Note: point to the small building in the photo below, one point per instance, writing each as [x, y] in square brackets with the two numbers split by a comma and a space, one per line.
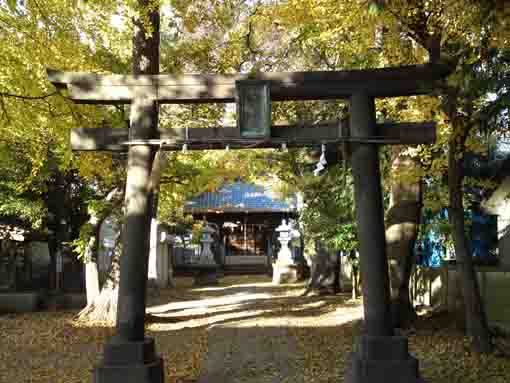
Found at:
[15, 268]
[246, 216]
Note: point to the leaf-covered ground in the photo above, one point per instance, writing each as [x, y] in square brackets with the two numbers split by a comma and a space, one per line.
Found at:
[51, 347]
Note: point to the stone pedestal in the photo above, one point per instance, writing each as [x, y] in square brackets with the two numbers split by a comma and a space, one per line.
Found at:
[206, 269]
[284, 269]
[130, 362]
[284, 273]
[382, 359]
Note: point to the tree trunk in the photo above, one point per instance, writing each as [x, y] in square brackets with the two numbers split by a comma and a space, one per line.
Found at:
[154, 240]
[104, 306]
[476, 319]
[91, 281]
[322, 272]
[355, 279]
[96, 300]
[90, 259]
[402, 223]
[57, 223]
[337, 285]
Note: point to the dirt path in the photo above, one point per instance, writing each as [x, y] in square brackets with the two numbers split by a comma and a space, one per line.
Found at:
[251, 329]
[250, 354]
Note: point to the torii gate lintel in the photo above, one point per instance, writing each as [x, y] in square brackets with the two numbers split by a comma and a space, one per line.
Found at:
[285, 86]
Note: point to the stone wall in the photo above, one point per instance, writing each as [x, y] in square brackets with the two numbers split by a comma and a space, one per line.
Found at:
[440, 287]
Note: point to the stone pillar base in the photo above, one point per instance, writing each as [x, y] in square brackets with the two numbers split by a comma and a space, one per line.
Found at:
[382, 359]
[130, 362]
[284, 273]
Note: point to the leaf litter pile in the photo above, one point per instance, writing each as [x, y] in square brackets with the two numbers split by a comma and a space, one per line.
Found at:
[53, 347]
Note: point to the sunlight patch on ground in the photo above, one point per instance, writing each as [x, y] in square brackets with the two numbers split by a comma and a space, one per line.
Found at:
[249, 305]
[207, 303]
[223, 288]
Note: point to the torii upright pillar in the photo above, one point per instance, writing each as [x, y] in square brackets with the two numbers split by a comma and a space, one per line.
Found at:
[130, 357]
[380, 356]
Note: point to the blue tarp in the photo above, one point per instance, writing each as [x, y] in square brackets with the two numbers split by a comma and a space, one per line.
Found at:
[430, 250]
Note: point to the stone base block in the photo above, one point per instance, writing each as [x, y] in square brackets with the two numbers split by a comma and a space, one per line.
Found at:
[284, 273]
[381, 360]
[137, 373]
[130, 362]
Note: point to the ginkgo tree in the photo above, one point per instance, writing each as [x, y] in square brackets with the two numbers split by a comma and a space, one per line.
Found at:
[34, 118]
[232, 36]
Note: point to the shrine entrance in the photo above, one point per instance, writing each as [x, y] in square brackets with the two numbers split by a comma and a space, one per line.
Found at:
[130, 356]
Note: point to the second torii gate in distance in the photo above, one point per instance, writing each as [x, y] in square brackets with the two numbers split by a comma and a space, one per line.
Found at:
[380, 352]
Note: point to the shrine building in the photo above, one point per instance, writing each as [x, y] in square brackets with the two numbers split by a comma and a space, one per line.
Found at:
[246, 216]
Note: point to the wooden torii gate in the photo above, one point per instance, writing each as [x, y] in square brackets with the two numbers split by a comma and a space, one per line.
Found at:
[130, 357]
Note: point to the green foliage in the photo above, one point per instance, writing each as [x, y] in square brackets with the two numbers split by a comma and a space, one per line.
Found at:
[98, 209]
[30, 211]
[35, 119]
[346, 238]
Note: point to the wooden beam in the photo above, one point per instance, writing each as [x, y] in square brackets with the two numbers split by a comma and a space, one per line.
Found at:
[117, 139]
[108, 139]
[190, 88]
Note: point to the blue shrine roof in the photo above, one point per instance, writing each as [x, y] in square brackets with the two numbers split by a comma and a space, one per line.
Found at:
[240, 197]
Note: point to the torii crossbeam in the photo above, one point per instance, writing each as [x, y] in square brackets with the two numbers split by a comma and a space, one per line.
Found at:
[295, 86]
[117, 139]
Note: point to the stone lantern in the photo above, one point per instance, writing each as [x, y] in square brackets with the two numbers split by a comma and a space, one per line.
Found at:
[205, 265]
[284, 269]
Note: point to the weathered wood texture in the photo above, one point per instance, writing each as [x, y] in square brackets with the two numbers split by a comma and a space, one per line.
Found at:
[190, 88]
[108, 139]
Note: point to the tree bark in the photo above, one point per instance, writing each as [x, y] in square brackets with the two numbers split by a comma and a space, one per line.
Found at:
[337, 283]
[55, 203]
[90, 259]
[402, 223]
[104, 307]
[154, 240]
[355, 284]
[91, 280]
[98, 300]
[322, 272]
[476, 319]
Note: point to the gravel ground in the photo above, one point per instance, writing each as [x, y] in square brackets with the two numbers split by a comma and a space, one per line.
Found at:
[252, 328]
[244, 330]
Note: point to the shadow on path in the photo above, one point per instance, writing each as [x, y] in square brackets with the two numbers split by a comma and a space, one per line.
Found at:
[251, 329]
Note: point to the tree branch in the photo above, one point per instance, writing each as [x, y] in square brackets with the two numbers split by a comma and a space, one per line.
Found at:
[22, 97]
